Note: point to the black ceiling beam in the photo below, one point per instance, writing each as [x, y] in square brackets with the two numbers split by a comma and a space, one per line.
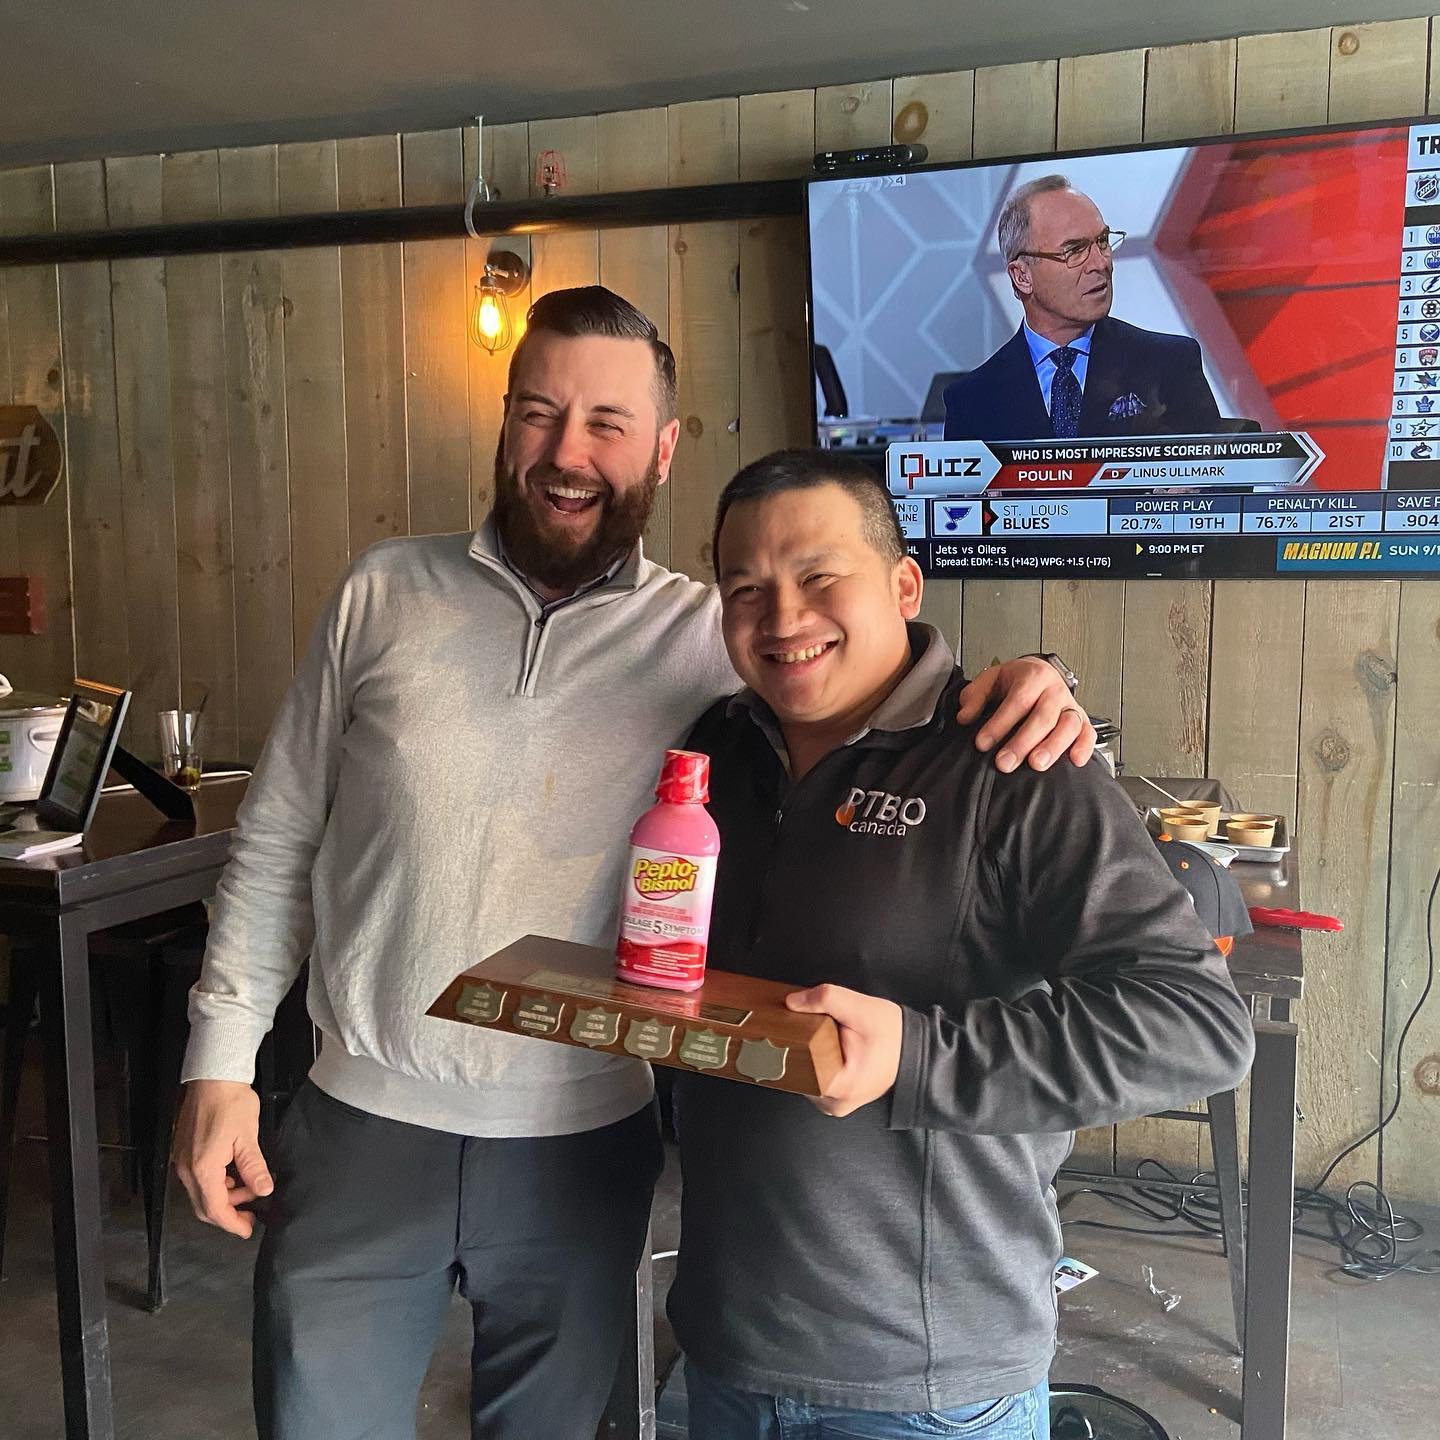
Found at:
[687, 204]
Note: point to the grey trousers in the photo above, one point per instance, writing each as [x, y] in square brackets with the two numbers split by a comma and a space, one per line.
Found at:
[374, 1223]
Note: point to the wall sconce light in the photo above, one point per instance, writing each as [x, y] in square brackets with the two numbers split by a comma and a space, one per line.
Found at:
[492, 327]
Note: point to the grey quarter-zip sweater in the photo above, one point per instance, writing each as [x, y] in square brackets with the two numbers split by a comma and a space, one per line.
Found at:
[453, 767]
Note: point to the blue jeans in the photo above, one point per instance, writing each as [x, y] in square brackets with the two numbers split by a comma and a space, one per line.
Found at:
[721, 1412]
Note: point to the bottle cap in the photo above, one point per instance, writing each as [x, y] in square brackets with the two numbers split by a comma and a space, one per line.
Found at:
[684, 778]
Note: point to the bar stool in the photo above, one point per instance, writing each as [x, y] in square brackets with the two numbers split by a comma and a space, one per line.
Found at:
[144, 972]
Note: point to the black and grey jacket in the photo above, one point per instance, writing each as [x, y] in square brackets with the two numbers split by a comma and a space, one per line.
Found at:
[1053, 975]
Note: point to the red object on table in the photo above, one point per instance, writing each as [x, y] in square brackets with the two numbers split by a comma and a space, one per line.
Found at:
[1294, 919]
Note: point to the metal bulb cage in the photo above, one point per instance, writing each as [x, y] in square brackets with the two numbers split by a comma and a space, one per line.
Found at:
[492, 326]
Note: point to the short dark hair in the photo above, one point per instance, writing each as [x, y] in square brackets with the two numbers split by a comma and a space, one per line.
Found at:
[594, 310]
[784, 470]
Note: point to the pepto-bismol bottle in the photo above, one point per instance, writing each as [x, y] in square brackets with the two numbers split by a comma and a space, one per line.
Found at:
[670, 880]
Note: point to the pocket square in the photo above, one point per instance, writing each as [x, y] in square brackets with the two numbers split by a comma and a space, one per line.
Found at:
[1123, 407]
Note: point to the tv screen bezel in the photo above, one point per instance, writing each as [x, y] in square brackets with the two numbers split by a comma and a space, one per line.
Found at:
[1237, 572]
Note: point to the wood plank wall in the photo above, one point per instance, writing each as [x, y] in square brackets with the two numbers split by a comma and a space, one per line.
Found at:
[238, 426]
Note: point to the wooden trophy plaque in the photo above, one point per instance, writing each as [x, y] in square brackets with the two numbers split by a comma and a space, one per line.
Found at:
[734, 1026]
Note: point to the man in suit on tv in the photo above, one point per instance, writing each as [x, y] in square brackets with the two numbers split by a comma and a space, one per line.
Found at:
[1072, 369]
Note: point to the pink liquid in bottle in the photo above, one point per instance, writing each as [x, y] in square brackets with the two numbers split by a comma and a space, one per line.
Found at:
[670, 881]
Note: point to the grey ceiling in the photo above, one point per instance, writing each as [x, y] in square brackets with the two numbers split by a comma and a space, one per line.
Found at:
[105, 77]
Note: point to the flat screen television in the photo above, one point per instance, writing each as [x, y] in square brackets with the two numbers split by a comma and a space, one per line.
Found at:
[1246, 382]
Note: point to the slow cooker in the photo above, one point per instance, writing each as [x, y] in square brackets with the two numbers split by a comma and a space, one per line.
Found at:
[29, 728]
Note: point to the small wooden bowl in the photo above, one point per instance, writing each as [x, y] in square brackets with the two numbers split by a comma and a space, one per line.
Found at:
[1252, 829]
[1210, 812]
[1184, 827]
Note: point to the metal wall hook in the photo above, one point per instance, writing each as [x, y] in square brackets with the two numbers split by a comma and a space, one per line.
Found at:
[480, 191]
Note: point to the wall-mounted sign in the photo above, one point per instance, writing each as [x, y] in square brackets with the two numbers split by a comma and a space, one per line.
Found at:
[31, 457]
[22, 605]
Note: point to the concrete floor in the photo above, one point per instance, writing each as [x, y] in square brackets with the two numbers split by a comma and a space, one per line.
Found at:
[1363, 1355]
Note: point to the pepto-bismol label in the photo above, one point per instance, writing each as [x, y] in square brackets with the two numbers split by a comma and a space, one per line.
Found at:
[665, 912]
[659, 877]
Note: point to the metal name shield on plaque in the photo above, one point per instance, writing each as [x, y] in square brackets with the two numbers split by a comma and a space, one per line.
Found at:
[539, 1015]
[705, 1050]
[650, 1039]
[762, 1060]
[483, 1004]
[595, 1025]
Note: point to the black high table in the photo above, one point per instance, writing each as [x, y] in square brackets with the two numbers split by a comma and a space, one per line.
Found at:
[133, 864]
[1269, 971]
[1257, 1219]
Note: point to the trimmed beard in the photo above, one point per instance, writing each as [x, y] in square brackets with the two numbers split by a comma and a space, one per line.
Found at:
[537, 555]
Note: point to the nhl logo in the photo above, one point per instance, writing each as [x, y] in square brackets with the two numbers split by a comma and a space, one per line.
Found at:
[1427, 187]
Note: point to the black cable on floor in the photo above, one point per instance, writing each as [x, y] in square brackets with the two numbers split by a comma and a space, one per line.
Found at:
[1361, 1224]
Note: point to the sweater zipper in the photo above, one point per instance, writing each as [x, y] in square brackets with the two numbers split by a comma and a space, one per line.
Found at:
[532, 655]
[777, 826]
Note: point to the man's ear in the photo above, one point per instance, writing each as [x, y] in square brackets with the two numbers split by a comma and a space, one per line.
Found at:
[1021, 280]
[909, 586]
[665, 449]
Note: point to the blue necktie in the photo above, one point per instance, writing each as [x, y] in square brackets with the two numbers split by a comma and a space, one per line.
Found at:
[1065, 394]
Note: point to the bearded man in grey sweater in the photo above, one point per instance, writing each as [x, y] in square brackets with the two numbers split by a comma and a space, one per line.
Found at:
[474, 726]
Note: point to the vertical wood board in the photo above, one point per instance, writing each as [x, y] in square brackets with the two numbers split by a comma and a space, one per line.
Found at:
[92, 439]
[43, 662]
[259, 459]
[372, 324]
[142, 366]
[437, 402]
[200, 457]
[937, 111]
[313, 310]
[704, 148]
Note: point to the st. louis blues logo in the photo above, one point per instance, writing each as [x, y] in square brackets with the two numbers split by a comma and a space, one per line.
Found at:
[955, 514]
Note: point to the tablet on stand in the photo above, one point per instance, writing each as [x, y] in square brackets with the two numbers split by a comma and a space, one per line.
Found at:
[87, 747]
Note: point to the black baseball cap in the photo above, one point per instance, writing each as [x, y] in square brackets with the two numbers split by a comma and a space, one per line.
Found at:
[1212, 887]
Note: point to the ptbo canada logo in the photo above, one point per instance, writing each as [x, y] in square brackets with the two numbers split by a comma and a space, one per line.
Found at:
[877, 812]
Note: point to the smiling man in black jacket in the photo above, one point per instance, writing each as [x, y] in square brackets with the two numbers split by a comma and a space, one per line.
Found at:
[1008, 960]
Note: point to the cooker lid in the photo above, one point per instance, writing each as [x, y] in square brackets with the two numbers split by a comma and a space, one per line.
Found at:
[17, 703]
